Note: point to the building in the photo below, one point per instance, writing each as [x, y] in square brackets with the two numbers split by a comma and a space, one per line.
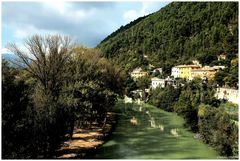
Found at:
[157, 82]
[204, 72]
[217, 67]
[221, 57]
[170, 81]
[228, 94]
[175, 72]
[137, 73]
[184, 71]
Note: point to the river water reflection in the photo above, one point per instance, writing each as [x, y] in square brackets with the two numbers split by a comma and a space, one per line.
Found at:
[145, 132]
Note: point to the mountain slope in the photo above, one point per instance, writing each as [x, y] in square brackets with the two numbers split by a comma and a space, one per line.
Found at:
[176, 34]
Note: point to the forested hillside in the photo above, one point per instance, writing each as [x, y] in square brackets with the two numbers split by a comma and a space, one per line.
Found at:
[177, 34]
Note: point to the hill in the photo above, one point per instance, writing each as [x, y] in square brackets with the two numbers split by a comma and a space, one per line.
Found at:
[177, 34]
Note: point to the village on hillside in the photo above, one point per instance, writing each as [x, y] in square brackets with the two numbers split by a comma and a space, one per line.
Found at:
[188, 73]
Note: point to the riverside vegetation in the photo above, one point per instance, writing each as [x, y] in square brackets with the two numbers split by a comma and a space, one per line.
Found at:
[62, 87]
[208, 117]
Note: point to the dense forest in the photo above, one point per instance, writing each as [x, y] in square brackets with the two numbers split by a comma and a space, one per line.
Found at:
[177, 34]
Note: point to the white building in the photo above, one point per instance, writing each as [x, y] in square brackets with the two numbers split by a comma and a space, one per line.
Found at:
[157, 82]
[137, 73]
[175, 72]
[169, 81]
[217, 67]
[229, 94]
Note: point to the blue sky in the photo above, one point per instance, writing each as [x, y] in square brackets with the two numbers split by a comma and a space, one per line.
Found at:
[86, 22]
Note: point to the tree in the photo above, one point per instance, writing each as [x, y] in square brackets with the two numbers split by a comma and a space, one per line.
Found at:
[143, 83]
[91, 87]
[165, 98]
[130, 85]
[14, 105]
[45, 59]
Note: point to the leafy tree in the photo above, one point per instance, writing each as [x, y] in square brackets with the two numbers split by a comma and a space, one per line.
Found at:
[130, 85]
[91, 88]
[14, 105]
[143, 83]
[165, 98]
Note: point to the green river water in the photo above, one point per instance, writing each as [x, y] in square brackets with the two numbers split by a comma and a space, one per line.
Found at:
[157, 135]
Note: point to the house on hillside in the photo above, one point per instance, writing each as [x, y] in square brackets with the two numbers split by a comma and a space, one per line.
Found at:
[221, 57]
[170, 81]
[184, 71]
[157, 82]
[175, 72]
[217, 67]
[137, 73]
[204, 72]
[228, 94]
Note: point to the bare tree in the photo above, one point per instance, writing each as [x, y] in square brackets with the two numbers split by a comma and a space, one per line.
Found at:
[45, 58]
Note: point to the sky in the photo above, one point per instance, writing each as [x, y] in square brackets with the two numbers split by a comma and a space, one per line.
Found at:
[86, 22]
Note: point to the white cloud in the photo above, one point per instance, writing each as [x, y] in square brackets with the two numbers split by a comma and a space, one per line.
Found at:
[5, 51]
[131, 15]
[59, 6]
[25, 31]
[146, 8]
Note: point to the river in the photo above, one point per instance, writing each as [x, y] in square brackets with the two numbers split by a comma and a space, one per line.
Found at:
[146, 132]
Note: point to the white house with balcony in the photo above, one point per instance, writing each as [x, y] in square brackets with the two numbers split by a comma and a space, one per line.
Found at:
[157, 82]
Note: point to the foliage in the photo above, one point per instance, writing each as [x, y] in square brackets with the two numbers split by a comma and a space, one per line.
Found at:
[14, 105]
[216, 122]
[130, 85]
[60, 87]
[228, 76]
[219, 130]
[176, 34]
[143, 82]
[164, 98]
[91, 86]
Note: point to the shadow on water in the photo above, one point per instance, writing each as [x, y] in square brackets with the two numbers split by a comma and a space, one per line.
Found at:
[163, 138]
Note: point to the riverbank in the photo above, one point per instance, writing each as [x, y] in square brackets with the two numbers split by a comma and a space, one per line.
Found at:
[85, 142]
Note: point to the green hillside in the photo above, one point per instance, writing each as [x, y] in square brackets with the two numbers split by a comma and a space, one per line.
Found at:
[176, 34]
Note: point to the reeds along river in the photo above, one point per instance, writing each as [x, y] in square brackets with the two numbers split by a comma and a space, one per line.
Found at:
[146, 132]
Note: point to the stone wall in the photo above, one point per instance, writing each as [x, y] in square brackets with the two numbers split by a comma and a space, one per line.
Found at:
[227, 93]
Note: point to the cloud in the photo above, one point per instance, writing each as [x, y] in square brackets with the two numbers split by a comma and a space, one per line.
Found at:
[22, 33]
[146, 8]
[5, 51]
[131, 15]
[87, 22]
